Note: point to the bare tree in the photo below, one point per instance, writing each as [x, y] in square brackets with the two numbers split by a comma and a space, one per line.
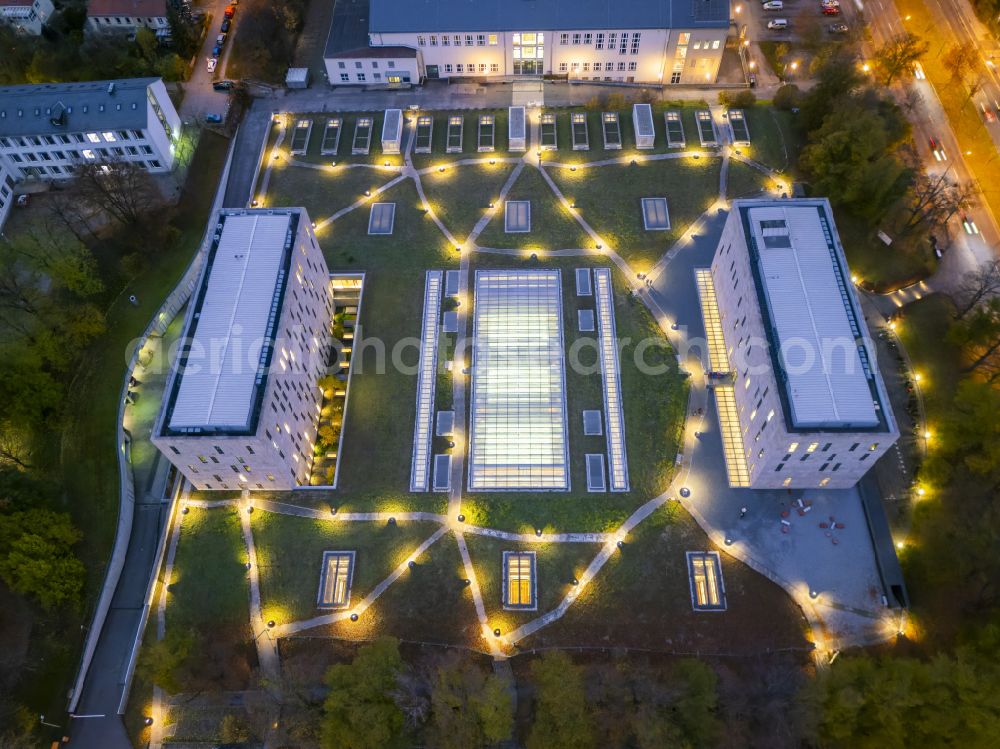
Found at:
[122, 189]
[959, 60]
[934, 201]
[976, 287]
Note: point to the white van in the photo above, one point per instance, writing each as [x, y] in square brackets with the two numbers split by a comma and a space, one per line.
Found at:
[773, 5]
[778, 24]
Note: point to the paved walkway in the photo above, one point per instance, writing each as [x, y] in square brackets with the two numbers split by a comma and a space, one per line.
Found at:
[833, 584]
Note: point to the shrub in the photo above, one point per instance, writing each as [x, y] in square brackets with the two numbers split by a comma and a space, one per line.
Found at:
[787, 97]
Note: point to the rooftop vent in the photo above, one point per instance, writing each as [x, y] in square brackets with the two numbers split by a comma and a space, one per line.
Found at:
[111, 88]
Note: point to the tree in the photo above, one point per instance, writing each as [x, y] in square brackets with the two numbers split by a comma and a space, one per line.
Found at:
[695, 710]
[891, 702]
[934, 200]
[959, 60]
[562, 719]
[359, 712]
[837, 79]
[36, 559]
[122, 189]
[975, 287]
[978, 333]
[234, 730]
[167, 661]
[897, 56]
[848, 160]
[468, 708]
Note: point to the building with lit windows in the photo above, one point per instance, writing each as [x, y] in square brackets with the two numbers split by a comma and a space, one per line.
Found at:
[6, 191]
[801, 402]
[242, 406]
[641, 41]
[48, 130]
[26, 16]
[128, 16]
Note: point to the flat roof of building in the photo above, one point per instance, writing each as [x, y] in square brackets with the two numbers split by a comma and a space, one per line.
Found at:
[412, 16]
[49, 108]
[233, 322]
[827, 374]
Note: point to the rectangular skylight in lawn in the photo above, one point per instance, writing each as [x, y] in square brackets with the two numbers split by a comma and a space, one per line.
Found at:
[518, 422]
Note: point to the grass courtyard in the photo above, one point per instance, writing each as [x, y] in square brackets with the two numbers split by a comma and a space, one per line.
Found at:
[431, 602]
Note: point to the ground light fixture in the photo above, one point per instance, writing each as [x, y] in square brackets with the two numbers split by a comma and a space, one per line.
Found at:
[814, 594]
[354, 617]
[368, 193]
[461, 518]
[538, 532]
[270, 623]
[148, 721]
[496, 632]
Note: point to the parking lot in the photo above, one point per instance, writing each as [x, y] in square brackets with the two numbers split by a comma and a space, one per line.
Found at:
[803, 20]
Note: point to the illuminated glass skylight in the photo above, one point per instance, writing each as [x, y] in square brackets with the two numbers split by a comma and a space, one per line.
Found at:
[518, 421]
[423, 428]
[608, 343]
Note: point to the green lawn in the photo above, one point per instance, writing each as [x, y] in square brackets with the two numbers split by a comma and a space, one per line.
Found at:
[882, 268]
[460, 196]
[429, 604]
[744, 181]
[609, 199]
[209, 586]
[923, 328]
[653, 406]
[552, 227]
[642, 599]
[290, 554]
[324, 191]
[775, 140]
[556, 565]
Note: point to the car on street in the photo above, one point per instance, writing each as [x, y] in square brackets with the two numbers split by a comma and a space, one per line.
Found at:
[225, 26]
[829, 3]
[773, 5]
[230, 11]
[220, 40]
[967, 223]
[223, 85]
[778, 24]
[216, 51]
[837, 28]
[831, 10]
[212, 62]
[918, 72]
[213, 118]
[937, 150]
[987, 112]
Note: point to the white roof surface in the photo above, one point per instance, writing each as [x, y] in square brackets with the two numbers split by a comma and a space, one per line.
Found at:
[218, 387]
[827, 384]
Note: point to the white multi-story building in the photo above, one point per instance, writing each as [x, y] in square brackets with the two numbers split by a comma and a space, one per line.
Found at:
[49, 129]
[26, 16]
[6, 191]
[127, 15]
[642, 41]
[242, 405]
[806, 405]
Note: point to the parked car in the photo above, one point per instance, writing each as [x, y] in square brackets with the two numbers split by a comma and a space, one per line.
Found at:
[212, 62]
[937, 150]
[837, 28]
[230, 11]
[223, 85]
[216, 51]
[220, 40]
[831, 10]
[225, 26]
[214, 118]
[778, 24]
[773, 5]
[830, 3]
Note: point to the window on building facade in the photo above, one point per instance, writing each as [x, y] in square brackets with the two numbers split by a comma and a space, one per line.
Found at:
[480, 40]
[341, 64]
[684, 38]
[600, 40]
[635, 43]
[563, 67]
[375, 64]
[448, 68]
[468, 40]
[588, 38]
[609, 66]
[586, 67]
[357, 65]
[445, 40]
[492, 40]
[612, 38]
[458, 40]
[494, 67]
[564, 39]
[632, 65]
[420, 40]
[391, 64]
[459, 68]
[574, 66]
[621, 67]
[623, 47]
[434, 40]
[576, 38]
[376, 76]
[361, 76]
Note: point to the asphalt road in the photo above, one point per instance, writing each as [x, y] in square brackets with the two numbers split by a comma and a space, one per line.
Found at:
[930, 121]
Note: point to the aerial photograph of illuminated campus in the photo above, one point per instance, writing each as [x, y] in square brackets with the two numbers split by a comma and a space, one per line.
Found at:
[499, 374]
